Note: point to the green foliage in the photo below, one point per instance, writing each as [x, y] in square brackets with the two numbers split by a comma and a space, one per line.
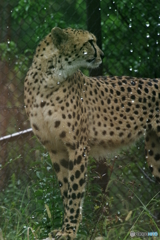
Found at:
[8, 50]
[46, 192]
[131, 38]
[22, 207]
[10, 53]
[40, 18]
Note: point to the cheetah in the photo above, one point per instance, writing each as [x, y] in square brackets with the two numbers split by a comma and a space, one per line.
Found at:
[75, 116]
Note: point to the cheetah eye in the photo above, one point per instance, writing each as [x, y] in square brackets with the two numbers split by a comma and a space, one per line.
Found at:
[90, 41]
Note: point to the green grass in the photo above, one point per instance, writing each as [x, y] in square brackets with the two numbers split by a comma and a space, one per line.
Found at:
[31, 210]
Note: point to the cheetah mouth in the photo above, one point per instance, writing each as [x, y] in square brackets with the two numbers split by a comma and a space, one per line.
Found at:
[94, 63]
[90, 60]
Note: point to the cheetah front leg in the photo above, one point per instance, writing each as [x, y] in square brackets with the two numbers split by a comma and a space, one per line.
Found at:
[77, 165]
[60, 162]
[152, 152]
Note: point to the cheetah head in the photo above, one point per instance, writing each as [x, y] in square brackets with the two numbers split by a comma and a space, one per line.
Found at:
[64, 51]
[77, 47]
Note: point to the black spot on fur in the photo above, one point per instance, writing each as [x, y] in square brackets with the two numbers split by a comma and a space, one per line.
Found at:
[75, 186]
[57, 123]
[43, 104]
[35, 126]
[64, 163]
[56, 167]
[63, 134]
[157, 157]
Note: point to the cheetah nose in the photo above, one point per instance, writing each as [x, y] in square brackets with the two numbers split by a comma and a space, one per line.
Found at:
[102, 55]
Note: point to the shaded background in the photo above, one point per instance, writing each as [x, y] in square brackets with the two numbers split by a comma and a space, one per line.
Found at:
[129, 35]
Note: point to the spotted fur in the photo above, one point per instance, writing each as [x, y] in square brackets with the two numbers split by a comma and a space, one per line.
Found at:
[74, 116]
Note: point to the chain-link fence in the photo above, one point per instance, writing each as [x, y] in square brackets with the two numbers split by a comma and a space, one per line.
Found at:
[128, 32]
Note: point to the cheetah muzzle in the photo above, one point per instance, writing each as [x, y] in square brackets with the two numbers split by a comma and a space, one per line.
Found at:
[74, 116]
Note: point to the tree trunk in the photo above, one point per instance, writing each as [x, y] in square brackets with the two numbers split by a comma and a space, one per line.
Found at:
[94, 26]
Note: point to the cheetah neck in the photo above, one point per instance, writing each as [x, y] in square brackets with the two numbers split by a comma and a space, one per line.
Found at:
[54, 71]
[58, 74]
[52, 64]
[61, 70]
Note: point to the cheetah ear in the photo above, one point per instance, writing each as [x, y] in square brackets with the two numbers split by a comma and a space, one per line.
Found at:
[58, 36]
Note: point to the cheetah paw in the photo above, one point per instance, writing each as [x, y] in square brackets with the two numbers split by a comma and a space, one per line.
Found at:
[59, 235]
[49, 238]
